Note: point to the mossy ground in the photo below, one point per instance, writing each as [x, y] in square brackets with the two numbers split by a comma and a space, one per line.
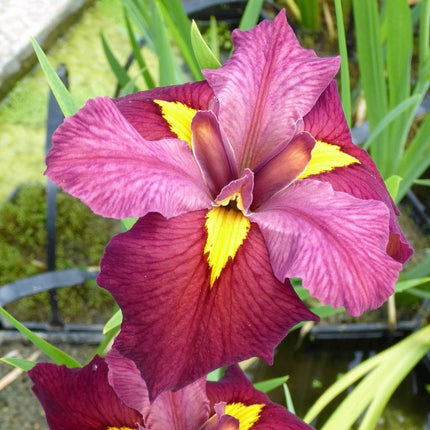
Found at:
[81, 238]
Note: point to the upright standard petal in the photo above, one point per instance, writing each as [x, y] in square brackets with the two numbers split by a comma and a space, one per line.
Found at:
[327, 123]
[81, 398]
[251, 407]
[335, 242]
[160, 277]
[268, 84]
[99, 157]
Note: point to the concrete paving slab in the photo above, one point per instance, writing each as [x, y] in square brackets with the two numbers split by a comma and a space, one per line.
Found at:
[45, 20]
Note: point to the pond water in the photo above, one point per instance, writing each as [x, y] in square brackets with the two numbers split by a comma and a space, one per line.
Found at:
[313, 367]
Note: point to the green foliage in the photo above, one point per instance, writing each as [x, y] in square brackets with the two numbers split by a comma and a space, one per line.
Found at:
[381, 375]
[55, 354]
[81, 238]
[385, 47]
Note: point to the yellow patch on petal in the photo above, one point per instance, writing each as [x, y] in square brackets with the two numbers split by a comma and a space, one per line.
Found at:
[227, 228]
[326, 157]
[119, 428]
[178, 116]
[247, 415]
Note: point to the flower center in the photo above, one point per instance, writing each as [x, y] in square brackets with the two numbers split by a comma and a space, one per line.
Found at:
[247, 415]
[227, 228]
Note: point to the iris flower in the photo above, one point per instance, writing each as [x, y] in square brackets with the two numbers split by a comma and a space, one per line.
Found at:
[240, 182]
[115, 397]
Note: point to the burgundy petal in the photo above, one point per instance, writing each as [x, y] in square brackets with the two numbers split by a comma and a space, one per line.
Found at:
[335, 242]
[177, 328]
[99, 157]
[81, 398]
[126, 380]
[187, 408]
[268, 84]
[327, 123]
[145, 116]
[234, 387]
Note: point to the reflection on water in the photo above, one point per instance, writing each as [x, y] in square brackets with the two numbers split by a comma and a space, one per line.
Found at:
[316, 365]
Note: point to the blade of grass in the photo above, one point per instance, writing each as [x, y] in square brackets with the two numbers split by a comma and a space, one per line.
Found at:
[424, 182]
[398, 56]
[61, 93]
[182, 40]
[310, 14]
[56, 355]
[205, 57]
[410, 283]
[416, 158]
[394, 375]
[371, 65]
[288, 399]
[271, 384]
[119, 72]
[410, 104]
[344, 64]
[250, 14]
[19, 363]
[167, 67]
[150, 83]
[380, 367]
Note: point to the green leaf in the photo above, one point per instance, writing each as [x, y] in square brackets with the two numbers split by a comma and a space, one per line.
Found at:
[416, 158]
[288, 399]
[392, 184]
[344, 63]
[384, 372]
[127, 223]
[205, 57]
[167, 68]
[120, 73]
[61, 93]
[182, 39]
[250, 14]
[372, 78]
[150, 83]
[56, 355]
[410, 103]
[19, 363]
[114, 321]
[310, 14]
[410, 283]
[424, 182]
[271, 384]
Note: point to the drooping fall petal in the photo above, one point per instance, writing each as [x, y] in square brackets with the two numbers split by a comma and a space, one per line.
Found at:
[187, 408]
[268, 84]
[335, 242]
[160, 277]
[81, 398]
[327, 123]
[242, 400]
[99, 157]
[146, 117]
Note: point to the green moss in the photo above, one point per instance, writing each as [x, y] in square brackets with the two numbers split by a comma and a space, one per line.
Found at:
[81, 238]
